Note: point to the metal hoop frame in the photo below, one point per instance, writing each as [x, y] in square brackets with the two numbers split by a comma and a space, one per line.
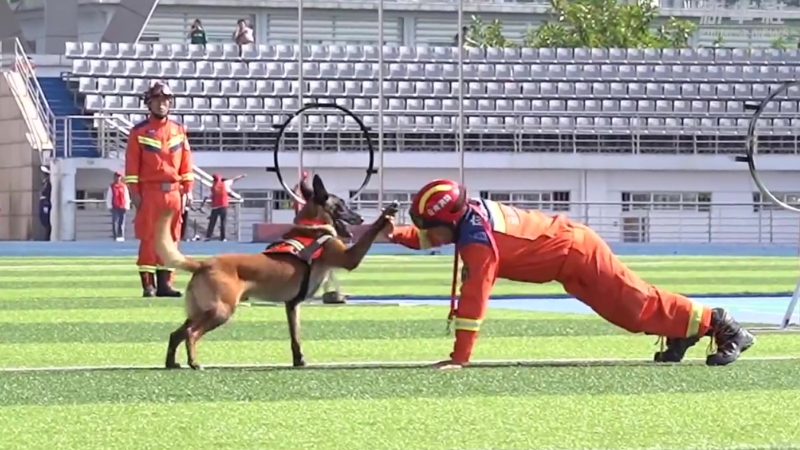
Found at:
[282, 129]
[752, 146]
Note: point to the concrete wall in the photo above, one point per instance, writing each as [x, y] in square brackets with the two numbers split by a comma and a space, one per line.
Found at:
[20, 176]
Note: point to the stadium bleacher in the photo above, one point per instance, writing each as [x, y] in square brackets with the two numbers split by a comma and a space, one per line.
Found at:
[696, 96]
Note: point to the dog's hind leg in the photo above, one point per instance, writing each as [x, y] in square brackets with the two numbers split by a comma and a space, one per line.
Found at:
[292, 317]
[210, 320]
[175, 339]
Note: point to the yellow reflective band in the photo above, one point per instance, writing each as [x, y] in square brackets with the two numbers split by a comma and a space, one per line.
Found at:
[148, 269]
[427, 195]
[467, 324]
[168, 269]
[131, 178]
[144, 140]
[695, 317]
[187, 177]
[498, 218]
[424, 240]
[176, 140]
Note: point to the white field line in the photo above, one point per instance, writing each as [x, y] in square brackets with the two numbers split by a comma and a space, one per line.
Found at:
[542, 363]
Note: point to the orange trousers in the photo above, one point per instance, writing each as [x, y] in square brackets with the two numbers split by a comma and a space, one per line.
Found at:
[154, 202]
[596, 277]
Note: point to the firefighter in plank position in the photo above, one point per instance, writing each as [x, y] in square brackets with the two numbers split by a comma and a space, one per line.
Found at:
[158, 172]
[499, 241]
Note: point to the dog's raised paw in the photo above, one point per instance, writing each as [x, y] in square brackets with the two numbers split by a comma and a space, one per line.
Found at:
[195, 366]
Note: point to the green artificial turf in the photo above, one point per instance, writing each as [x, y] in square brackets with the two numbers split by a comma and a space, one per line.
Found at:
[86, 312]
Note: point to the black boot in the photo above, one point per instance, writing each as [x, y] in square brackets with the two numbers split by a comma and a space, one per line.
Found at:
[730, 337]
[148, 284]
[164, 284]
[334, 298]
[676, 349]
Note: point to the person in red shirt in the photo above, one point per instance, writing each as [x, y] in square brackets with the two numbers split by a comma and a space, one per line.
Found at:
[158, 171]
[219, 204]
[498, 241]
[118, 201]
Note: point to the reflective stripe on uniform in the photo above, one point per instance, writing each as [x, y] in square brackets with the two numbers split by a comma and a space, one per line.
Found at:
[148, 269]
[465, 324]
[187, 177]
[695, 317]
[497, 216]
[424, 241]
[176, 142]
[153, 143]
[168, 269]
[131, 178]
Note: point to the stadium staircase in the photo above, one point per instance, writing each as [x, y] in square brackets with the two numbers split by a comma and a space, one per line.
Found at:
[74, 132]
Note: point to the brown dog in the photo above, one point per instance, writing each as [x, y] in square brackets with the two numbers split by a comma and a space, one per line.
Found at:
[289, 271]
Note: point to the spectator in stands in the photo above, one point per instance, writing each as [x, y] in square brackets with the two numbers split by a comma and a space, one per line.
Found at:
[118, 201]
[197, 34]
[219, 204]
[243, 34]
[45, 204]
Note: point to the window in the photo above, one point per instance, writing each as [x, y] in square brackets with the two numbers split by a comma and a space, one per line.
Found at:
[282, 200]
[544, 201]
[254, 198]
[666, 201]
[761, 203]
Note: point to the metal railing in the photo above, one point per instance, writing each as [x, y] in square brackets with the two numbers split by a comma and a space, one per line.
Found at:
[93, 221]
[19, 62]
[634, 222]
[618, 222]
[108, 136]
[619, 140]
[89, 135]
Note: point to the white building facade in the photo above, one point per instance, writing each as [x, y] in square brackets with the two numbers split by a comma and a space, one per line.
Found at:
[626, 197]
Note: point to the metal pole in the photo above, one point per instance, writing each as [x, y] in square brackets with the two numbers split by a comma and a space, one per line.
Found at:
[461, 89]
[300, 88]
[380, 102]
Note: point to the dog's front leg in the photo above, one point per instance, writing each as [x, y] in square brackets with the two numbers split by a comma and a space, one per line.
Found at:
[350, 258]
[293, 318]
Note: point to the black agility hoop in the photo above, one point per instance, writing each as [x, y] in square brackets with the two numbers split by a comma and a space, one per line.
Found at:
[282, 129]
[751, 145]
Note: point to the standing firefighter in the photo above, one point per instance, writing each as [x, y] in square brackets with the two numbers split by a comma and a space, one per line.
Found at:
[498, 241]
[158, 171]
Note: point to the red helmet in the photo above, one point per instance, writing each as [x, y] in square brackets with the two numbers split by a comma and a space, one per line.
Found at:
[439, 203]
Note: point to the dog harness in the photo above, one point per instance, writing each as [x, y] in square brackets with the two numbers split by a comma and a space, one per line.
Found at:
[307, 249]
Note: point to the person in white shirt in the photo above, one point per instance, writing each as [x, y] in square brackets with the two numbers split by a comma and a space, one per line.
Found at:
[243, 34]
[118, 201]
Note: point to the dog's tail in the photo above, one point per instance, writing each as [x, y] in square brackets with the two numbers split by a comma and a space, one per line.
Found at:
[167, 249]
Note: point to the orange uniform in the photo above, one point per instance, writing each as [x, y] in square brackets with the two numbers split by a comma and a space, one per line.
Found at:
[158, 167]
[498, 241]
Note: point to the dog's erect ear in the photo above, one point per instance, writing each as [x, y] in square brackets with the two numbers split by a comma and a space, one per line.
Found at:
[320, 193]
[306, 191]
